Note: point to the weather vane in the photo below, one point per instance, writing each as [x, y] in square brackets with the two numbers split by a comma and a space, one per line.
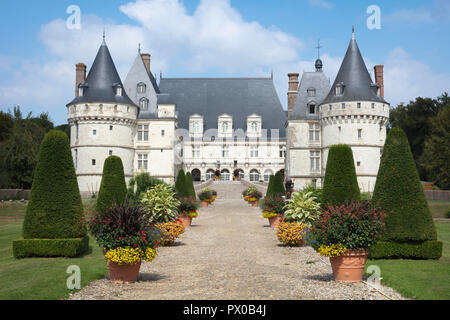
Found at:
[318, 48]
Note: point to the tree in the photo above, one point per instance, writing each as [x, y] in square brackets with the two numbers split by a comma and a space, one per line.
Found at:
[436, 154]
[269, 191]
[340, 183]
[399, 193]
[6, 125]
[113, 188]
[278, 185]
[55, 209]
[189, 186]
[179, 184]
[65, 128]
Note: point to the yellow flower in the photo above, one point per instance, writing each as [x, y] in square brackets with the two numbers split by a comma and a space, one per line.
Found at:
[332, 250]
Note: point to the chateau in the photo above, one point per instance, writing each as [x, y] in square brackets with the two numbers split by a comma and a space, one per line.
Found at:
[227, 124]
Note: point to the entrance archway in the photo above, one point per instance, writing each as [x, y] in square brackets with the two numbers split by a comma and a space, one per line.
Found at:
[210, 174]
[196, 175]
[225, 175]
[254, 175]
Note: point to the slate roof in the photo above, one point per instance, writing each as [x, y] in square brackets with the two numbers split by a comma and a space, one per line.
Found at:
[100, 82]
[321, 84]
[213, 97]
[358, 85]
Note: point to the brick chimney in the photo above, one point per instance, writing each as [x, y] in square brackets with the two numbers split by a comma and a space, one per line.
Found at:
[146, 58]
[80, 76]
[379, 78]
[292, 91]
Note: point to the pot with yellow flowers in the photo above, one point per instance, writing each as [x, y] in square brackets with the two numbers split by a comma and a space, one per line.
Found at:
[301, 210]
[161, 205]
[205, 196]
[273, 210]
[187, 211]
[126, 239]
[345, 234]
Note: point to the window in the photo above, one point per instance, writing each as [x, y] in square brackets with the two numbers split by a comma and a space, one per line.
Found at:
[196, 127]
[225, 175]
[254, 126]
[163, 132]
[143, 133]
[128, 109]
[331, 107]
[358, 105]
[86, 107]
[254, 151]
[358, 163]
[119, 91]
[143, 104]
[343, 106]
[373, 105]
[141, 88]
[100, 107]
[359, 133]
[76, 159]
[110, 128]
[110, 152]
[314, 132]
[339, 129]
[80, 92]
[116, 108]
[315, 161]
[77, 130]
[210, 174]
[314, 183]
[142, 161]
[94, 132]
[225, 127]
[225, 151]
[311, 92]
[339, 89]
[195, 151]
[254, 175]
[282, 152]
[93, 162]
[312, 109]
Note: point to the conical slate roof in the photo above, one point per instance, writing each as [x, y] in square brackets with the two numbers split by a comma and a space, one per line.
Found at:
[101, 81]
[353, 75]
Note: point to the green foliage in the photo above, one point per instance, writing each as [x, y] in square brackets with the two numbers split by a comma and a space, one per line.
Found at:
[65, 128]
[189, 190]
[250, 190]
[187, 205]
[406, 250]
[316, 192]
[270, 190]
[55, 209]
[436, 152]
[113, 188]
[447, 214]
[139, 184]
[6, 125]
[340, 183]
[302, 207]
[205, 195]
[278, 185]
[160, 204]
[50, 247]
[274, 205]
[180, 184]
[399, 192]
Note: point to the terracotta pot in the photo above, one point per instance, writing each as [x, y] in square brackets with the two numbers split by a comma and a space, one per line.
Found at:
[204, 204]
[350, 266]
[275, 221]
[185, 220]
[254, 203]
[125, 273]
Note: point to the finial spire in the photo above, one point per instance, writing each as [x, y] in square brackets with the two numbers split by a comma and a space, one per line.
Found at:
[104, 36]
[353, 32]
[139, 49]
[318, 49]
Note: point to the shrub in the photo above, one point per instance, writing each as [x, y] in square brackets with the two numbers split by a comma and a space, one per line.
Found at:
[431, 249]
[170, 231]
[399, 192]
[278, 185]
[447, 214]
[189, 186]
[139, 184]
[303, 208]
[160, 204]
[113, 188]
[292, 234]
[50, 247]
[180, 183]
[340, 183]
[273, 206]
[354, 226]
[54, 210]
[316, 192]
[205, 195]
[188, 207]
[270, 190]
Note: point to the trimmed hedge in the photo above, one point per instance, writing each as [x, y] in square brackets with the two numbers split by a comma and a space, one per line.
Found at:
[189, 186]
[113, 188]
[269, 191]
[180, 183]
[50, 247]
[55, 209]
[340, 183]
[278, 185]
[412, 250]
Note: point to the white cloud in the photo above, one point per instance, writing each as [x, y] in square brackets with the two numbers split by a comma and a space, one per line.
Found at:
[321, 3]
[412, 16]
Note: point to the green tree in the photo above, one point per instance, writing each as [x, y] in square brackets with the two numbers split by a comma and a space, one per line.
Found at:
[55, 209]
[278, 185]
[189, 186]
[399, 193]
[340, 183]
[179, 184]
[436, 154]
[113, 188]
[269, 192]
[65, 128]
[6, 125]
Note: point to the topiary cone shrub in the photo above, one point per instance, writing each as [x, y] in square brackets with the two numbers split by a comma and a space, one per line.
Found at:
[189, 186]
[53, 220]
[410, 231]
[113, 188]
[278, 185]
[269, 192]
[340, 183]
[180, 183]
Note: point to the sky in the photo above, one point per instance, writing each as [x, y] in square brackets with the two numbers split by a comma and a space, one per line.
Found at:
[219, 38]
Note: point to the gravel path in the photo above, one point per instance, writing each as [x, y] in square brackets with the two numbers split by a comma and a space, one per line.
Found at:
[230, 252]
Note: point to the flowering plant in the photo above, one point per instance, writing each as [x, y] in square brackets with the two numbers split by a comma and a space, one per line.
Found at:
[353, 225]
[273, 206]
[205, 195]
[122, 229]
[188, 207]
[170, 231]
[160, 204]
[302, 207]
[292, 233]
[236, 173]
[217, 173]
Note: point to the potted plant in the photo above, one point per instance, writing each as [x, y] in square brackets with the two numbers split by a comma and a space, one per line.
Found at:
[344, 234]
[187, 211]
[217, 174]
[161, 207]
[214, 195]
[254, 196]
[236, 173]
[205, 197]
[273, 209]
[301, 210]
[123, 233]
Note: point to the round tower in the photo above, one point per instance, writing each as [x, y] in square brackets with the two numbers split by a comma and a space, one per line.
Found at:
[102, 119]
[355, 113]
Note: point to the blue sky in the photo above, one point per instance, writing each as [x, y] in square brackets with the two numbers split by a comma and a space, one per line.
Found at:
[219, 38]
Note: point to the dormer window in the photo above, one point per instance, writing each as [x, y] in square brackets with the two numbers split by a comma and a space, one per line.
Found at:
[118, 88]
[254, 126]
[196, 127]
[312, 108]
[141, 88]
[143, 104]
[339, 89]
[311, 92]
[80, 91]
[225, 127]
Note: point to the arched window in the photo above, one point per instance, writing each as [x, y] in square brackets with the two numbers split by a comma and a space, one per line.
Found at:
[196, 175]
[225, 127]
[143, 104]
[254, 175]
[141, 87]
[254, 126]
[210, 174]
[267, 175]
[225, 175]
[196, 127]
[311, 92]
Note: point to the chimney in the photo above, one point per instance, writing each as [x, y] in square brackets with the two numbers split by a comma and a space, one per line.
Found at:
[146, 59]
[379, 78]
[292, 91]
[80, 76]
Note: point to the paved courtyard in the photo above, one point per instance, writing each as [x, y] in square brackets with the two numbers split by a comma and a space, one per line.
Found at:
[230, 252]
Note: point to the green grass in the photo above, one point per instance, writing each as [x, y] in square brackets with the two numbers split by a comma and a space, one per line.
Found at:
[438, 208]
[420, 279]
[40, 278]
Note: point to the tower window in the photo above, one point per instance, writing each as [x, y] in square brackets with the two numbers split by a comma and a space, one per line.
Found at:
[141, 88]
[163, 133]
[359, 133]
[312, 109]
[358, 105]
[110, 152]
[373, 105]
[94, 132]
[94, 162]
[358, 164]
[331, 107]
[143, 103]
[80, 92]
[343, 106]
[116, 107]
[110, 128]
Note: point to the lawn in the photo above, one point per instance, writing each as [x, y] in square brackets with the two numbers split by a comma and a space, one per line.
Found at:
[438, 208]
[420, 279]
[40, 278]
